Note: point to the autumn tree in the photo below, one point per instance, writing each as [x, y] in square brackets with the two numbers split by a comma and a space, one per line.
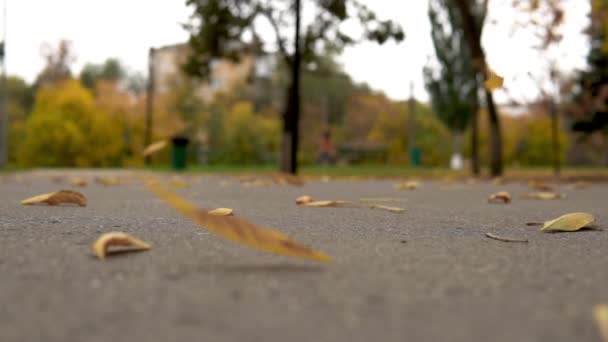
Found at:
[452, 83]
[473, 15]
[229, 29]
[58, 61]
[111, 70]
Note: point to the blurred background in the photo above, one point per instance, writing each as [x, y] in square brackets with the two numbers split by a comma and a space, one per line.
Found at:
[474, 85]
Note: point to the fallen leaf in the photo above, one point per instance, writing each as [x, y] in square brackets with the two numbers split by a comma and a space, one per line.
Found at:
[286, 178]
[179, 184]
[538, 185]
[326, 203]
[569, 222]
[58, 197]
[543, 195]
[504, 239]
[154, 148]
[380, 199]
[304, 199]
[237, 229]
[78, 182]
[325, 179]
[580, 185]
[501, 196]
[387, 208]
[493, 81]
[499, 181]
[600, 313]
[100, 247]
[107, 181]
[410, 185]
[221, 212]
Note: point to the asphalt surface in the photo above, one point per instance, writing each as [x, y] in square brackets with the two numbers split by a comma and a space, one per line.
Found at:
[428, 274]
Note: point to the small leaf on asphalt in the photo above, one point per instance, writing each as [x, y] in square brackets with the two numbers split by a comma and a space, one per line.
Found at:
[154, 148]
[543, 195]
[179, 184]
[304, 199]
[600, 313]
[580, 185]
[384, 207]
[500, 197]
[58, 197]
[539, 185]
[100, 247]
[78, 182]
[221, 212]
[237, 229]
[504, 239]
[107, 181]
[410, 185]
[569, 222]
[286, 178]
[326, 203]
[499, 181]
[493, 81]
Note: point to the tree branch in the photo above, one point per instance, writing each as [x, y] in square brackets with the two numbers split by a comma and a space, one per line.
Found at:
[280, 42]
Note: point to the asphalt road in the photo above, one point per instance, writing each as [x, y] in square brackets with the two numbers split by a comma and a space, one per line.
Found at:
[428, 274]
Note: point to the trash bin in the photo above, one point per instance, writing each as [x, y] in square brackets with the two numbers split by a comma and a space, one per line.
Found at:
[179, 154]
[415, 157]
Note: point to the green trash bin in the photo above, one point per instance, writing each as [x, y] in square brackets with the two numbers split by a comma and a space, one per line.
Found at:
[179, 153]
[415, 157]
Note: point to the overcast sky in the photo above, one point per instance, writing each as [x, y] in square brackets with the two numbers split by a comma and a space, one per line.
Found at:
[127, 28]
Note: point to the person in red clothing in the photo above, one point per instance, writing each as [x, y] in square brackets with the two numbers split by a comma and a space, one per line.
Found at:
[326, 150]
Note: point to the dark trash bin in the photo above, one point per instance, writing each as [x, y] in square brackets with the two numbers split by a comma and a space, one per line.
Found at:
[179, 153]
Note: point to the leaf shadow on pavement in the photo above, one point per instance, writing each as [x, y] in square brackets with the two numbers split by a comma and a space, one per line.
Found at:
[263, 268]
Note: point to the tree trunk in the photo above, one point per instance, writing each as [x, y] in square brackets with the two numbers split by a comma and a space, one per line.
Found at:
[495, 137]
[554, 137]
[475, 143]
[291, 118]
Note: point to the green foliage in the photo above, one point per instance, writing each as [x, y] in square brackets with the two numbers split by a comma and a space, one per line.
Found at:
[452, 84]
[65, 129]
[218, 29]
[111, 70]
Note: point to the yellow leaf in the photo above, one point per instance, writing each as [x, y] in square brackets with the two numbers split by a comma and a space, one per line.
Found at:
[237, 229]
[411, 185]
[303, 199]
[286, 178]
[493, 81]
[78, 182]
[384, 207]
[179, 184]
[501, 196]
[326, 203]
[568, 223]
[221, 212]
[100, 247]
[600, 313]
[107, 181]
[538, 185]
[153, 148]
[58, 197]
[543, 195]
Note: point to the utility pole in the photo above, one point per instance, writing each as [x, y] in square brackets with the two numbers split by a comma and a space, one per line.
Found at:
[289, 148]
[4, 99]
[411, 128]
[149, 103]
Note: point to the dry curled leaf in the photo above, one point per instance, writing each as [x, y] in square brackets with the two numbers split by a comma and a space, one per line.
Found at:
[304, 199]
[237, 229]
[100, 247]
[600, 314]
[500, 197]
[580, 185]
[387, 208]
[78, 182]
[107, 181]
[179, 184]
[504, 239]
[221, 212]
[538, 185]
[493, 81]
[58, 197]
[286, 178]
[568, 223]
[326, 203]
[543, 195]
[154, 148]
[410, 185]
